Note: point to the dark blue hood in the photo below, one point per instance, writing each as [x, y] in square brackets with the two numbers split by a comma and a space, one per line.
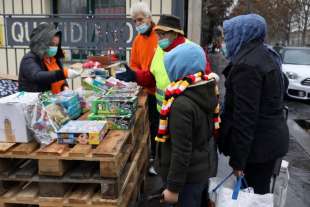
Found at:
[241, 30]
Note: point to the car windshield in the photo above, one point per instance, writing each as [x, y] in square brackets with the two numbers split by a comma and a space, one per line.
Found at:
[296, 56]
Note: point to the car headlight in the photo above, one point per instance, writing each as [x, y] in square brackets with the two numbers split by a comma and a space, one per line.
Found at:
[291, 75]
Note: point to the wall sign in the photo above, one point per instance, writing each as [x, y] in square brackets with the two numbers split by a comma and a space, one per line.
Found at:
[86, 32]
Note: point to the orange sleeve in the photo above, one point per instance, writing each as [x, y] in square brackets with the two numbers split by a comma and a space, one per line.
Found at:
[66, 72]
[134, 63]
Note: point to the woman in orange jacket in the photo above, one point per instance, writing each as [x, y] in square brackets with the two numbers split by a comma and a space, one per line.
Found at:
[41, 69]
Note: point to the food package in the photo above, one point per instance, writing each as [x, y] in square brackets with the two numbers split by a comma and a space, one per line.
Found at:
[86, 97]
[82, 132]
[114, 106]
[115, 122]
[71, 102]
[96, 84]
[15, 117]
[90, 64]
[42, 126]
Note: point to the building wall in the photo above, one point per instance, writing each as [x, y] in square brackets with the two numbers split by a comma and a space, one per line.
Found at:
[10, 57]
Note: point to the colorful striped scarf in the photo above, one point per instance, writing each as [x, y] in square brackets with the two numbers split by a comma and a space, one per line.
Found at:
[172, 92]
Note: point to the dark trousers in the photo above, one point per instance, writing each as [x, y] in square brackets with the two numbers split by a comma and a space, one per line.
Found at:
[258, 176]
[192, 195]
[154, 122]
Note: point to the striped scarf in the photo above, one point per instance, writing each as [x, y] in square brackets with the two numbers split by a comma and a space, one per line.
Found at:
[172, 92]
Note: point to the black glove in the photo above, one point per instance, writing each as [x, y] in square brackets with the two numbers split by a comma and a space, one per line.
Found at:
[128, 76]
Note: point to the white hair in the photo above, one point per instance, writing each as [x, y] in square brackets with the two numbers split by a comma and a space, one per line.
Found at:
[140, 7]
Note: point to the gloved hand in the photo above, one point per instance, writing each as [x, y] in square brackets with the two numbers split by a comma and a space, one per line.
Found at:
[71, 74]
[128, 76]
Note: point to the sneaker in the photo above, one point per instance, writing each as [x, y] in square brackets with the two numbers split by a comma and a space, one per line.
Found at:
[152, 171]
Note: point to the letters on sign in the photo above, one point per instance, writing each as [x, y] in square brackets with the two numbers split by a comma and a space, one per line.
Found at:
[97, 32]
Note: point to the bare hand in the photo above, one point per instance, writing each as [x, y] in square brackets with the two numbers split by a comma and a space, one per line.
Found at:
[66, 88]
[238, 173]
[170, 197]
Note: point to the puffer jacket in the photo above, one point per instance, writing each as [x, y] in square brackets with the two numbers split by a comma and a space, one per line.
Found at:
[33, 74]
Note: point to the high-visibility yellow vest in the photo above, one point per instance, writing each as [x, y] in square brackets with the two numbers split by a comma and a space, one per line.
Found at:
[160, 74]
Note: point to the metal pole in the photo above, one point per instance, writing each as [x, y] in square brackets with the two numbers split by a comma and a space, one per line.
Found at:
[249, 6]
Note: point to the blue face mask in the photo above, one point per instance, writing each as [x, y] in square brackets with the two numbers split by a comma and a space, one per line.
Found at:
[164, 43]
[224, 50]
[143, 28]
[52, 51]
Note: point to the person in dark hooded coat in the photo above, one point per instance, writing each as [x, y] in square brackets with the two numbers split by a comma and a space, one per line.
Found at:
[41, 69]
[188, 150]
[254, 132]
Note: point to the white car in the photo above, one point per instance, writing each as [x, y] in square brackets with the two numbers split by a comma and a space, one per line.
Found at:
[296, 66]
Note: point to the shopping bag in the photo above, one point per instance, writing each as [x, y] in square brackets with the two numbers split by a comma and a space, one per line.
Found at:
[227, 193]
[281, 185]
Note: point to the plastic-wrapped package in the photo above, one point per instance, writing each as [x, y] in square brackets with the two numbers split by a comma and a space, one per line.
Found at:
[15, 116]
[85, 98]
[111, 106]
[115, 122]
[46, 121]
[71, 102]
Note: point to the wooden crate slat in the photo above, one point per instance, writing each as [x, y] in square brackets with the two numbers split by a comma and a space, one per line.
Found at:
[4, 147]
[25, 149]
[111, 144]
[80, 150]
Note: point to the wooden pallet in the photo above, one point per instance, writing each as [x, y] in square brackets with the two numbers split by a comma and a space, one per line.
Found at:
[81, 172]
[55, 159]
[112, 153]
[82, 195]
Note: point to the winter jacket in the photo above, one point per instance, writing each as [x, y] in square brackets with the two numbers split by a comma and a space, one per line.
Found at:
[189, 155]
[253, 128]
[34, 74]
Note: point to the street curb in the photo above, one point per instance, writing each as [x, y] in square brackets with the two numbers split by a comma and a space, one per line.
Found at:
[301, 136]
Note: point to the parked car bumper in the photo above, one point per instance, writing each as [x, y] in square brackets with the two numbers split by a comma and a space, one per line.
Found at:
[298, 91]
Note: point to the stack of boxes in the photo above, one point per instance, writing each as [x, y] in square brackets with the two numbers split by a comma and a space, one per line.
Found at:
[117, 108]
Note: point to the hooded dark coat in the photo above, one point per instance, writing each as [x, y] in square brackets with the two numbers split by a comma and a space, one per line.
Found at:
[190, 155]
[253, 128]
[33, 74]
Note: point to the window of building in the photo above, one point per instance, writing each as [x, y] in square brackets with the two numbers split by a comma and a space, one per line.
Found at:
[72, 6]
[90, 7]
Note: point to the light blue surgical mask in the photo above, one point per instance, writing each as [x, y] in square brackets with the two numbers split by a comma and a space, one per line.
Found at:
[52, 51]
[143, 28]
[224, 50]
[164, 43]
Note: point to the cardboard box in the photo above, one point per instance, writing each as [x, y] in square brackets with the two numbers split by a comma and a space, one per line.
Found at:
[115, 122]
[82, 132]
[111, 106]
[13, 119]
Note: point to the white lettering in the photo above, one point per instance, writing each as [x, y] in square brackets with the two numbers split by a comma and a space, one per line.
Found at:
[79, 32]
[27, 31]
[20, 36]
[130, 32]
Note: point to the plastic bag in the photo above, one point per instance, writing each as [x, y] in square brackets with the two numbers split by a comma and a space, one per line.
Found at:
[280, 192]
[227, 193]
[46, 121]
